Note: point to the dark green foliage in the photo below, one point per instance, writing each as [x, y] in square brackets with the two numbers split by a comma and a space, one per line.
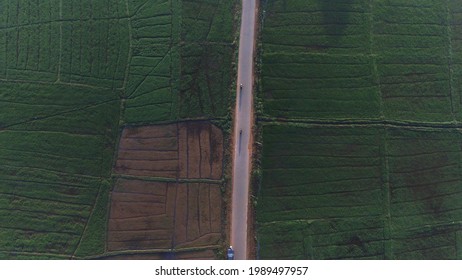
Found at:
[323, 239]
[94, 237]
[371, 62]
[344, 192]
[409, 52]
[148, 93]
[72, 72]
[180, 65]
[206, 53]
[326, 181]
[60, 81]
[317, 62]
[205, 80]
[413, 45]
[319, 86]
[55, 145]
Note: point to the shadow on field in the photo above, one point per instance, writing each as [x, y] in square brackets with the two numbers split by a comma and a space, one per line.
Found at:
[335, 14]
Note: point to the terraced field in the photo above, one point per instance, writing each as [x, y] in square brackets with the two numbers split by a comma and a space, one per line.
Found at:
[360, 127]
[73, 75]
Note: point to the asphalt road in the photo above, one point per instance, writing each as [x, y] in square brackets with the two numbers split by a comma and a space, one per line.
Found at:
[243, 123]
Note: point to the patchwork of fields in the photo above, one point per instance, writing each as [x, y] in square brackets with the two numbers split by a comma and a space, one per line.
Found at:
[149, 211]
[161, 215]
[363, 192]
[393, 60]
[73, 75]
[361, 130]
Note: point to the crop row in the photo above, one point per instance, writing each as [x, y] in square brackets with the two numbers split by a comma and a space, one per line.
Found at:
[205, 80]
[359, 192]
[70, 71]
[56, 144]
[65, 42]
[319, 86]
[394, 60]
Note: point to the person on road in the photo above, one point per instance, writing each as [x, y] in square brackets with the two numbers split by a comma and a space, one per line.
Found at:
[230, 253]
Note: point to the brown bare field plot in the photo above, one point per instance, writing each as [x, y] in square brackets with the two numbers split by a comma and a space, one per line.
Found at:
[149, 215]
[162, 215]
[191, 150]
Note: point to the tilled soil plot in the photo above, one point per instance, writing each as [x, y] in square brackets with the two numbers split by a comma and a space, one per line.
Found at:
[162, 215]
[147, 214]
[189, 150]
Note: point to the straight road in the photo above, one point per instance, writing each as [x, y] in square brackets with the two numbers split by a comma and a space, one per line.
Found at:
[243, 123]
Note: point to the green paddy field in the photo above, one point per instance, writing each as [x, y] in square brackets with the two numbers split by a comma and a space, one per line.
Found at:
[72, 75]
[360, 128]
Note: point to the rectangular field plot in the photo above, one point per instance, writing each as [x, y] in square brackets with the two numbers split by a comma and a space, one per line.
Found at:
[58, 108]
[43, 212]
[433, 243]
[149, 90]
[319, 86]
[317, 62]
[189, 150]
[343, 192]
[207, 20]
[320, 173]
[425, 193]
[160, 215]
[323, 239]
[206, 57]
[321, 194]
[205, 80]
[319, 26]
[394, 60]
[413, 46]
[29, 40]
[94, 52]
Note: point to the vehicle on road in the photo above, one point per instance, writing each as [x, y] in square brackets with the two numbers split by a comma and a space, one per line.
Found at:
[230, 253]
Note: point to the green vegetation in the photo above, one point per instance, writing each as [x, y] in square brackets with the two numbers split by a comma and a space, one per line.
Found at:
[71, 73]
[361, 59]
[56, 144]
[206, 51]
[181, 59]
[364, 192]
[361, 142]
[317, 62]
